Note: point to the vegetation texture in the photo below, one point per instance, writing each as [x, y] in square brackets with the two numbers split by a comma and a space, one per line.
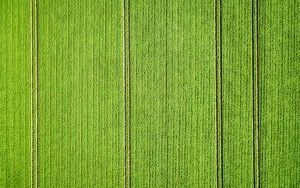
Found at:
[150, 93]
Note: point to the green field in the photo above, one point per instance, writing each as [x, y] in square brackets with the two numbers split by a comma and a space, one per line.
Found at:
[150, 93]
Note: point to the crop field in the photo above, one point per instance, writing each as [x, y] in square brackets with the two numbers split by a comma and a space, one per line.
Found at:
[150, 93]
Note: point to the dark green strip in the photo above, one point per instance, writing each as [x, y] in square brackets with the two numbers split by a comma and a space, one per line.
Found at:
[218, 31]
[126, 61]
[34, 91]
[255, 76]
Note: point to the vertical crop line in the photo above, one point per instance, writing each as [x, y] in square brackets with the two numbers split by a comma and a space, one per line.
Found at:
[255, 85]
[166, 89]
[127, 95]
[219, 119]
[34, 94]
